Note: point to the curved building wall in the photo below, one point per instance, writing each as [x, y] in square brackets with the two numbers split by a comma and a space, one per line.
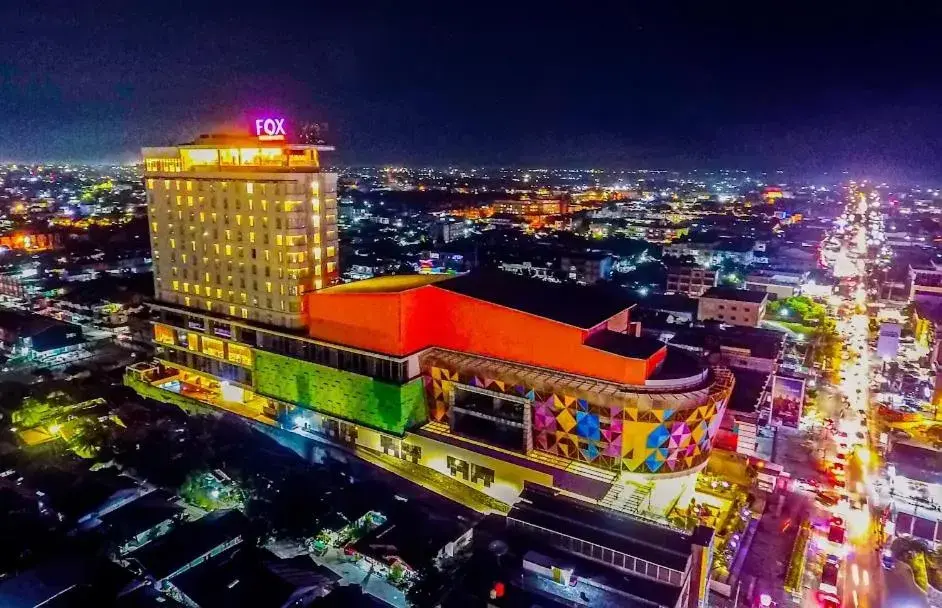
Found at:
[598, 423]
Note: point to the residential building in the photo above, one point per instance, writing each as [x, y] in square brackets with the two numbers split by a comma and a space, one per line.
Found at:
[35, 336]
[925, 283]
[690, 280]
[713, 253]
[732, 306]
[778, 283]
[532, 206]
[188, 546]
[586, 268]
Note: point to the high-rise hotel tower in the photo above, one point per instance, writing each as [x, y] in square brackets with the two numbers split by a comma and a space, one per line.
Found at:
[242, 226]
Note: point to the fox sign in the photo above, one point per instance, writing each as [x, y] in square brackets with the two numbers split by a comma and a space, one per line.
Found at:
[270, 128]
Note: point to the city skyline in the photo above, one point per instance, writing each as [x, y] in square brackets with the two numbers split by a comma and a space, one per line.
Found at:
[806, 92]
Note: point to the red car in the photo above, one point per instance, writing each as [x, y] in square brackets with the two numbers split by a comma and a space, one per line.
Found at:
[837, 533]
[828, 601]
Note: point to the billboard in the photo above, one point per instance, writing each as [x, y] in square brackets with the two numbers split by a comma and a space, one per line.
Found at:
[788, 394]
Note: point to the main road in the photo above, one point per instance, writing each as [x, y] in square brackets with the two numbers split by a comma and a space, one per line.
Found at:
[864, 583]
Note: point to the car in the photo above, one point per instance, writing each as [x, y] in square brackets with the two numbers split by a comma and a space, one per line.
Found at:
[887, 560]
[837, 533]
[809, 485]
[829, 577]
[827, 499]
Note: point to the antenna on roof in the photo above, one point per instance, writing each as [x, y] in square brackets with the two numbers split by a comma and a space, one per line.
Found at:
[313, 133]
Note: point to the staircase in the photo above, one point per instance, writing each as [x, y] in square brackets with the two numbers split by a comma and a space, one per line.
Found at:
[628, 498]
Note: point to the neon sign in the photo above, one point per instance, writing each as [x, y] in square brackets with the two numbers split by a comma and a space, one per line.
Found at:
[269, 129]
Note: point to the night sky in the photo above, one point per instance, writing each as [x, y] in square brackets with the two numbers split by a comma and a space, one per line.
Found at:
[811, 90]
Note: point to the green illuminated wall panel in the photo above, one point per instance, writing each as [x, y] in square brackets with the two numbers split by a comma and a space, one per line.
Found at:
[360, 399]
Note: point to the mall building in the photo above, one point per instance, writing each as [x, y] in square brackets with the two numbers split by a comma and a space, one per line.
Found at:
[472, 384]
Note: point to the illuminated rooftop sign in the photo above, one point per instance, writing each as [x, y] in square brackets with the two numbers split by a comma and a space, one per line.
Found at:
[270, 129]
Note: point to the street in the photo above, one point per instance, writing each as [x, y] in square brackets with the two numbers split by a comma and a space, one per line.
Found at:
[833, 460]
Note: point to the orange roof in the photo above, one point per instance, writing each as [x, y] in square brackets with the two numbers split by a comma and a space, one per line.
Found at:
[400, 316]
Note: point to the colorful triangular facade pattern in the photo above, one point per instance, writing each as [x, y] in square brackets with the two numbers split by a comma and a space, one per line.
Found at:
[621, 436]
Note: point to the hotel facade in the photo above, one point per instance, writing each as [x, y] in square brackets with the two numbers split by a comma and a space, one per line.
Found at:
[472, 385]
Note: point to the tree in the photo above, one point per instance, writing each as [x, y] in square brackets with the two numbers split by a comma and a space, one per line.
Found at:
[90, 437]
[34, 411]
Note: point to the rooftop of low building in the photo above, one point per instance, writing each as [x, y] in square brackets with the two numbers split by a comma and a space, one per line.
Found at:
[738, 295]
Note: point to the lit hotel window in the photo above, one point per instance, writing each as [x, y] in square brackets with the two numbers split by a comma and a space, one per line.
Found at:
[240, 354]
[213, 347]
[249, 188]
[163, 334]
